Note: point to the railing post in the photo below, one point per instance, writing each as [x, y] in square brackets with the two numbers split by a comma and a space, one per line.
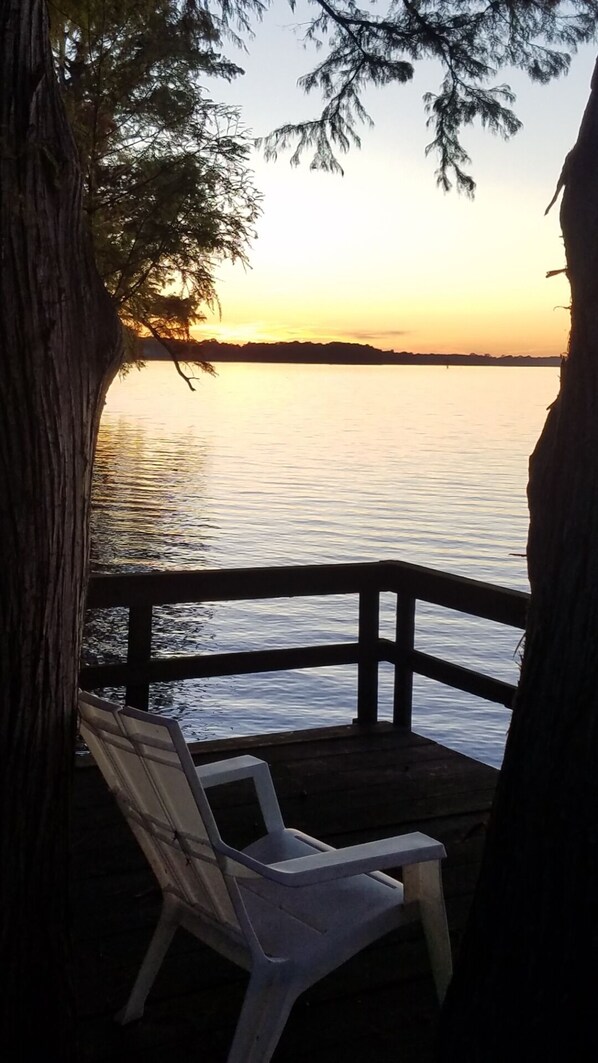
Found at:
[367, 667]
[139, 651]
[404, 642]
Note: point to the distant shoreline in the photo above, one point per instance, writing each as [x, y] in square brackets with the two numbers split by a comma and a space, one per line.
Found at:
[297, 353]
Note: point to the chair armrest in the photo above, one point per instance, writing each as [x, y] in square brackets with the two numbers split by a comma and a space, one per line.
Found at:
[353, 860]
[221, 772]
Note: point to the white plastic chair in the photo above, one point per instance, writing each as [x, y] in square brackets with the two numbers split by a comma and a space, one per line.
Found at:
[288, 908]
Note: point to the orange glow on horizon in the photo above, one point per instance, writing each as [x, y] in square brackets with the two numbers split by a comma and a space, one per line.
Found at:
[529, 338]
[381, 256]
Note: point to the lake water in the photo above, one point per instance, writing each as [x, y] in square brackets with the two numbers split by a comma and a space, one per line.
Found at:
[281, 464]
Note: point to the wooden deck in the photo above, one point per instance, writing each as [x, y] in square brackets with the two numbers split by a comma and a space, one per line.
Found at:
[343, 784]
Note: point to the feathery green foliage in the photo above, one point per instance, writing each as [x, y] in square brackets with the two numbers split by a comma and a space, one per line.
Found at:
[167, 188]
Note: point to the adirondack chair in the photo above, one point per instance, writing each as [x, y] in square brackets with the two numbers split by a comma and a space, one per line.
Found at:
[288, 908]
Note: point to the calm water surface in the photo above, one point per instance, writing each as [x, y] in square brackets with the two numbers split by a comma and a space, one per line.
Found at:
[275, 465]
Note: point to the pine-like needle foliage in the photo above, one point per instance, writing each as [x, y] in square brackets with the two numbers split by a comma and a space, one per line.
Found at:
[168, 193]
[471, 40]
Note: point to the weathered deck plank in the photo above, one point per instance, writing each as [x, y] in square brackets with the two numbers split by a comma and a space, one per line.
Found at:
[344, 784]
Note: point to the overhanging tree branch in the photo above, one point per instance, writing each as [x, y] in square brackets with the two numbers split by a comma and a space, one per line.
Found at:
[471, 42]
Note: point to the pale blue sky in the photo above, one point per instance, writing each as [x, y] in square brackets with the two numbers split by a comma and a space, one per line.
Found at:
[382, 255]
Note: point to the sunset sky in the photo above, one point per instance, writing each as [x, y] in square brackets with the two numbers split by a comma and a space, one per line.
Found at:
[381, 255]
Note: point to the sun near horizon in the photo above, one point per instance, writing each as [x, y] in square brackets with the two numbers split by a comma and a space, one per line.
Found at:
[381, 255]
[420, 272]
[530, 319]
[534, 343]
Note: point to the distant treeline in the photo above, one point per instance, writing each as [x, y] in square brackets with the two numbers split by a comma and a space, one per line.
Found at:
[326, 354]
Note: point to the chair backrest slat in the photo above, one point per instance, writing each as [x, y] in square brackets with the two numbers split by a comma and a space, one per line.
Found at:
[148, 768]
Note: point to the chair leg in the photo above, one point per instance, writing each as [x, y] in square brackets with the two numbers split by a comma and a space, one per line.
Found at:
[423, 882]
[268, 1001]
[152, 961]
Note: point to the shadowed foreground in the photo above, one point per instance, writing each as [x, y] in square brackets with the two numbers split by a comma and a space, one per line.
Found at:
[344, 785]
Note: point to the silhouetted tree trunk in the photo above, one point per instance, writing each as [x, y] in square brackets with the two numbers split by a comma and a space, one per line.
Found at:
[525, 986]
[59, 347]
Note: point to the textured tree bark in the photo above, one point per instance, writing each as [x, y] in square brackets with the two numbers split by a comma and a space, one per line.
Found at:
[59, 348]
[525, 982]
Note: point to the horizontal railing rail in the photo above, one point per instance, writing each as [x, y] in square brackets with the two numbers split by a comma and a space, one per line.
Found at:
[141, 592]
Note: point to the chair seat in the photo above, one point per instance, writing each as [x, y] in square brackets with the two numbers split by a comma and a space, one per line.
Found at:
[298, 922]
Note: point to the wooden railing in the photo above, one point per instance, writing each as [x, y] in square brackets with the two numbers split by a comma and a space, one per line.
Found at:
[411, 583]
